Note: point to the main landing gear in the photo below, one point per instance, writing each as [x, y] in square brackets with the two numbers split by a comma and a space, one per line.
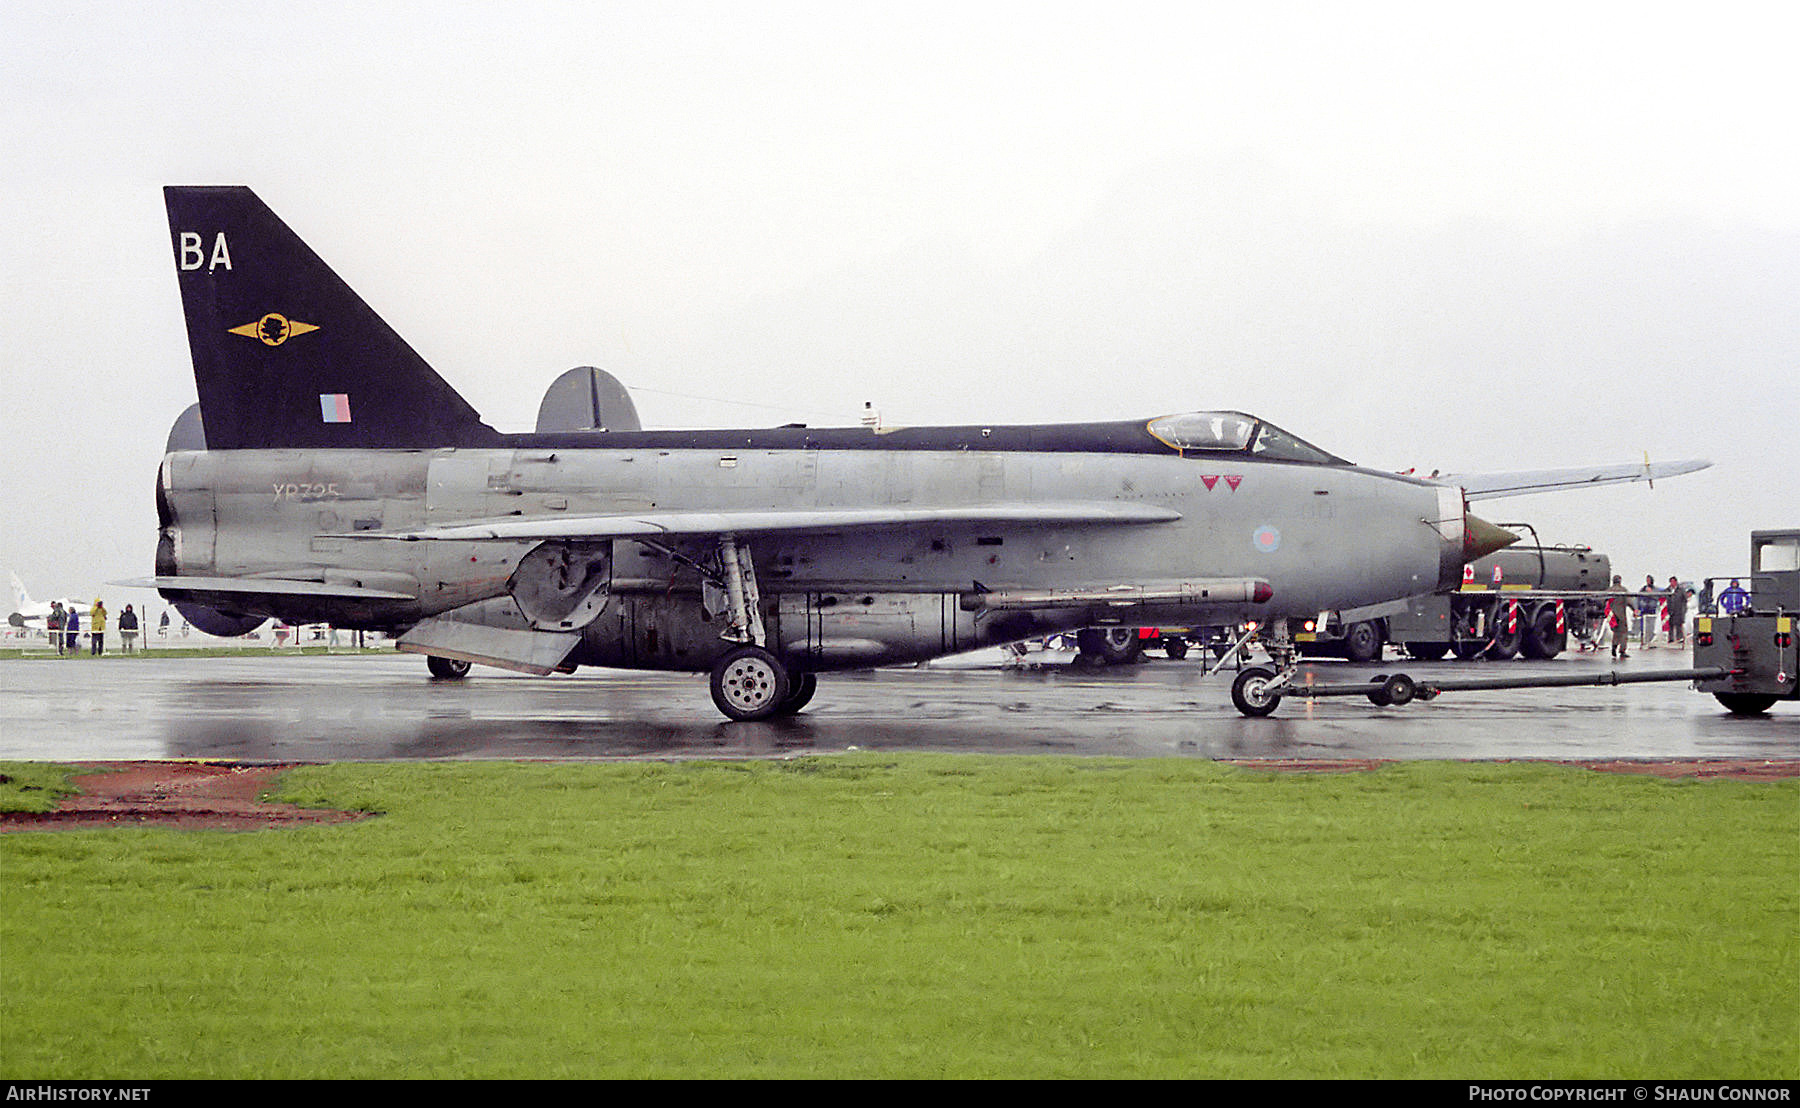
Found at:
[446, 669]
[752, 683]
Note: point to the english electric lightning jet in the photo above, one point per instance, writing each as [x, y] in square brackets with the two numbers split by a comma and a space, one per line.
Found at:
[335, 477]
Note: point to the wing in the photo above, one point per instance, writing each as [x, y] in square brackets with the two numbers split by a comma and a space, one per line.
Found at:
[647, 525]
[1491, 486]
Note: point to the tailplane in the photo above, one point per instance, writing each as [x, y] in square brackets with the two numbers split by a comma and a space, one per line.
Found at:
[285, 353]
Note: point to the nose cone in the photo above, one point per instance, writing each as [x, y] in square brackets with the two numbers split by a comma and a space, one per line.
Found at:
[1481, 538]
[1463, 538]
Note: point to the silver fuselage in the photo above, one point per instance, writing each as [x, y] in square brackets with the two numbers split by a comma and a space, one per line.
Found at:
[1320, 536]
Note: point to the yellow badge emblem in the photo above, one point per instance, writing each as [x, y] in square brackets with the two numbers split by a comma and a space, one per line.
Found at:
[274, 329]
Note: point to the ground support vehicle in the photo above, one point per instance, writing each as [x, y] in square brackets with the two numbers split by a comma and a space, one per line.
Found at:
[1256, 692]
[1755, 645]
[1108, 646]
[1115, 646]
[1747, 657]
[1524, 601]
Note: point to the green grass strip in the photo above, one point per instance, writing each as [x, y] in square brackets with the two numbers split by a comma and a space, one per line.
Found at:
[923, 916]
[33, 786]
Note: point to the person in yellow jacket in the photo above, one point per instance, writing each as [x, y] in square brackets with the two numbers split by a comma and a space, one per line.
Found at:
[96, 627]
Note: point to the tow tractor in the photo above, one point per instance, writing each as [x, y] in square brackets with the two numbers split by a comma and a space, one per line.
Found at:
[1754, 642]
[1746, 658]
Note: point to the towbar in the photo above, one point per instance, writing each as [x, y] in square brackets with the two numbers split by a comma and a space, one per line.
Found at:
[1386, 690]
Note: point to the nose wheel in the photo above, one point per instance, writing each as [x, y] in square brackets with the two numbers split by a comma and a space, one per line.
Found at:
[1256, 692]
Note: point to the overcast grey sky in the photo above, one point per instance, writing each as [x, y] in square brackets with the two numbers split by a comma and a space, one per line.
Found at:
[1444, 236]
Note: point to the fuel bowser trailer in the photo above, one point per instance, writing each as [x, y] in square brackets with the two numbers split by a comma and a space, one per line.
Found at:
[1523, 601]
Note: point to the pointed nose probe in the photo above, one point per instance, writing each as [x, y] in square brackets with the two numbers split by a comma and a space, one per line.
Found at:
[1464, 538]
[1481, 538]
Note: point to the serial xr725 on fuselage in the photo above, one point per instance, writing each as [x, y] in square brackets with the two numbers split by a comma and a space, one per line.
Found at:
[337, 478]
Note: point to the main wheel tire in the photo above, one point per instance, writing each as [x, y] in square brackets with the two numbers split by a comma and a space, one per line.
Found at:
[446, 669]
[1252, 694]
[1505, 646]
[804, 685]
[1745, 704]
[1542, 640]
[1175, 647]
[1362, 642]
[1116, 646]
[750, 684]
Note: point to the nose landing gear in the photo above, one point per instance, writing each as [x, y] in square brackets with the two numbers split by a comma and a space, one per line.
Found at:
[1256, 691]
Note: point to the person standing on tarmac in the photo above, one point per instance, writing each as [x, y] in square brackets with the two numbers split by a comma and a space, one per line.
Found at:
[1646, 606]
[96, 628]
[1677, 613]
[1621, 619]
[53, 623]
[72, 629]
[128, 628]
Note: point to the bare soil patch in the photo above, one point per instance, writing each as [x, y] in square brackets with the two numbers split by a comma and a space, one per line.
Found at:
[221, 796]
[214, 796]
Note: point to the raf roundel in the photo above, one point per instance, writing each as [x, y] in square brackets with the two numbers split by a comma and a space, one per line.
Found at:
[1266, 539]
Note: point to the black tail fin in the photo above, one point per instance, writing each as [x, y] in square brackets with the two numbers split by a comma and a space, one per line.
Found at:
[285, 353]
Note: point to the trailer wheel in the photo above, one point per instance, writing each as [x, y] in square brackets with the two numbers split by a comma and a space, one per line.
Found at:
[1253, 694]
[1396, 691]
[1175, 646]
[1745, 704]
[1399, 690]
[1378, 694]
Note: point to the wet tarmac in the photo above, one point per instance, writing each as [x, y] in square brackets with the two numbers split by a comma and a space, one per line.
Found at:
[262, 708]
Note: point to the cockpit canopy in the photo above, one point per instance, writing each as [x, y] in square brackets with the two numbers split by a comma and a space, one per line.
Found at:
[1215, 433]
